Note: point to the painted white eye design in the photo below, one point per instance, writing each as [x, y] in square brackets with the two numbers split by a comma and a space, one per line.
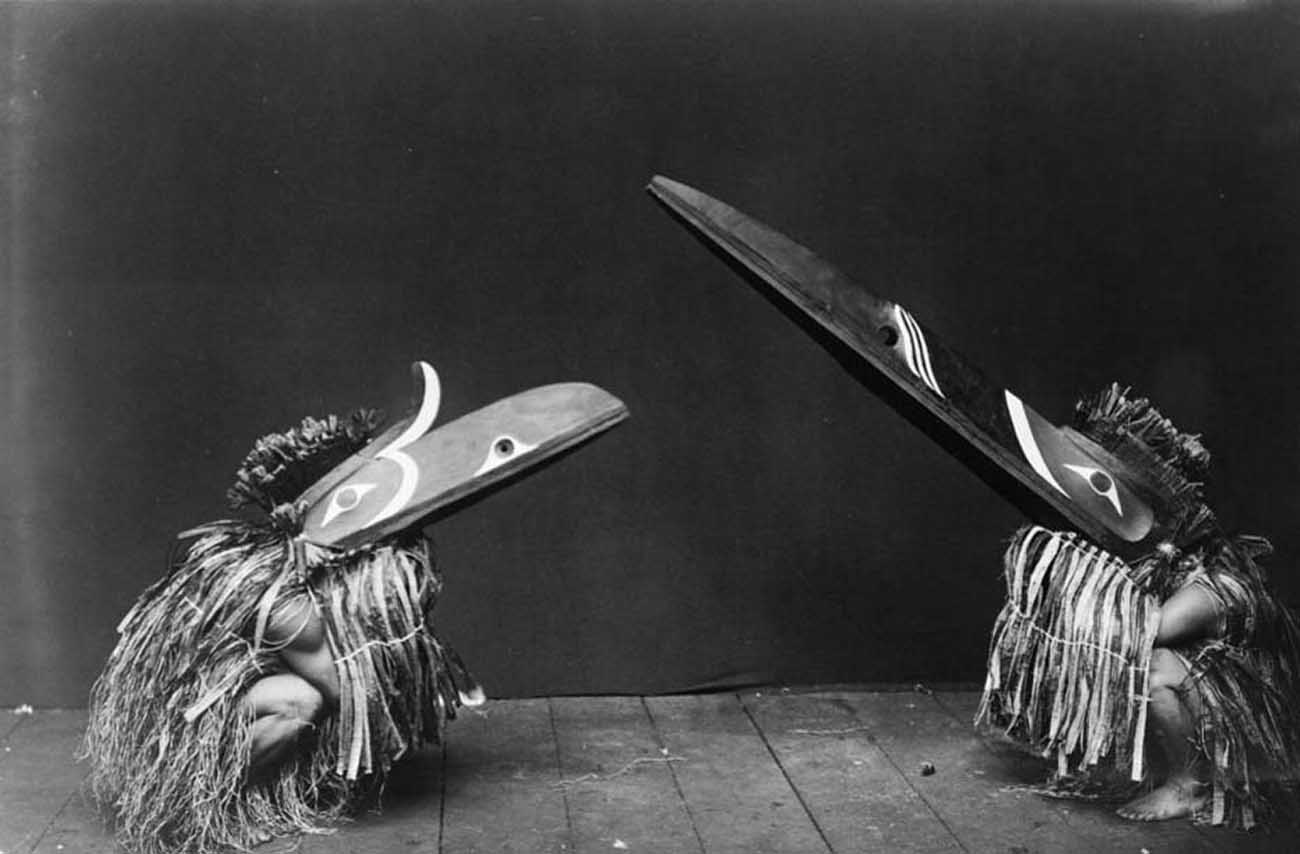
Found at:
[345, 498]
[504, 449]
[1101, 482]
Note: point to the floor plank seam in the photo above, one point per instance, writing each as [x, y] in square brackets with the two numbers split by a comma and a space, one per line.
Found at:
[951, 712]
[677, 785]
[442, 794]
[704, 782]
[984, 744]
[902, 776]
[14, 726]
[798, 795]
[49, 824]
[1063, 816]
[559, 771]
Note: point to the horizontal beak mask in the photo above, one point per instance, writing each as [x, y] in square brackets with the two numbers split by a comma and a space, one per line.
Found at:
[1112, 479]
[413, 469]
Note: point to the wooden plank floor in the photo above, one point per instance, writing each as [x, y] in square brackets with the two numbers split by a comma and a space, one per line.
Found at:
[821, 772]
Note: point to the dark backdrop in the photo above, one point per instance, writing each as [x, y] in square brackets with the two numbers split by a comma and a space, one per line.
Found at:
[222, 217]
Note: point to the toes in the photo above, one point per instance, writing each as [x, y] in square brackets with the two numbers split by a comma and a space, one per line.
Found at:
[1134, 815]
[1143, 809]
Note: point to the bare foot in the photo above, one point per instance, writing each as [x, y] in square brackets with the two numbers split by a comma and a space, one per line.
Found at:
[1173, 799]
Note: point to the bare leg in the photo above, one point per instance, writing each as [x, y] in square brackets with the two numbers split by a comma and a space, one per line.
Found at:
[1189, 615]
[286, 706]
[1172, 724]
[306, 652]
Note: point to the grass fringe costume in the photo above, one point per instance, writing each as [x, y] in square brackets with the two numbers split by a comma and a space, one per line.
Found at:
[168, 734]
[1069, 658]
[169, 737]
[1071, 651]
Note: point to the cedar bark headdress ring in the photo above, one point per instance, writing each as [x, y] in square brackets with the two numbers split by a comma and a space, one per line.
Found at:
[1156, 459]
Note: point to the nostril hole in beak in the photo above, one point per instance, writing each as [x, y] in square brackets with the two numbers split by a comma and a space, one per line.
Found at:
[888, 335]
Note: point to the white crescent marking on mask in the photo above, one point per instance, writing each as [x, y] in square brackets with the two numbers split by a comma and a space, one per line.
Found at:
[916, 350]
[418, 427]
[1025, 436]
[923, 351]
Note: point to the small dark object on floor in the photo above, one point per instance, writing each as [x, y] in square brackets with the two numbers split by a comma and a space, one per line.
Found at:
[927, 768]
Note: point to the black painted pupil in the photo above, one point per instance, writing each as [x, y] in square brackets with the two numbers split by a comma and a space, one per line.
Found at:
[889, 335]
[1100, 481]
[505, 446]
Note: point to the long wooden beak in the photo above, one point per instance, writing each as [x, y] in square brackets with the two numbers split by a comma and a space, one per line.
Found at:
[1061, 467]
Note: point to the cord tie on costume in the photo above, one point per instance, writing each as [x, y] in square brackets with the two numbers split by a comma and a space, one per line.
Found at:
[385, 643]
[288, 518]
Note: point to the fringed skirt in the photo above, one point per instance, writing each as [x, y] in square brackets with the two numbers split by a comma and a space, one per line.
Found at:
[1069, 667]
[169, 735]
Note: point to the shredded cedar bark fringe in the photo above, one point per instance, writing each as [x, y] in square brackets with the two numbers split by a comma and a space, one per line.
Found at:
[1071, 648]
[168, 736]
[1068, 667]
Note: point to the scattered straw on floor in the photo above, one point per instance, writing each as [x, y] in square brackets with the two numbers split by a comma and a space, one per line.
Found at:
[643, 760]
[830, 731]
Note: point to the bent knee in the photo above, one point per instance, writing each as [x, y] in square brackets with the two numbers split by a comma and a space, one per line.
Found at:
[1190, 615]
[287, 696]
[317, 670]
[305, 705]
[295, 624]
[1167, 670]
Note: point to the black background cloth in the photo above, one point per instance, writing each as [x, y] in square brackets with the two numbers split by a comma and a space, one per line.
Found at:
[219, 218]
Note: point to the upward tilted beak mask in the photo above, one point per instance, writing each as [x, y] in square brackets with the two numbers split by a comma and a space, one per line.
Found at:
[1123, 476]
[413, 470]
